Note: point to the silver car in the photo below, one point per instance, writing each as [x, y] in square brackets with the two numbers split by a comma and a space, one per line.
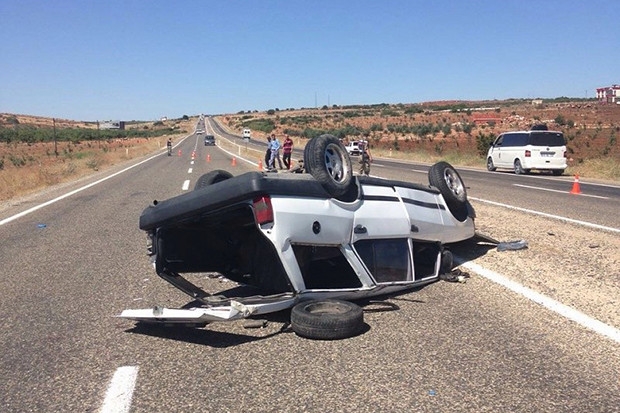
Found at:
[313, 241]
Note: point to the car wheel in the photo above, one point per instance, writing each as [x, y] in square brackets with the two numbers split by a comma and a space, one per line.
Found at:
[445, 178]
[327, 319]
[326, 158]
[490, 165]
[519, 168]
[212, 177]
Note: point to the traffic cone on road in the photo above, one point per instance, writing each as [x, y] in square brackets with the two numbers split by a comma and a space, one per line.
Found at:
[576, 189]
[193, 155]
[179, 152]
[260, 165]
[208, 157]
[234, 161]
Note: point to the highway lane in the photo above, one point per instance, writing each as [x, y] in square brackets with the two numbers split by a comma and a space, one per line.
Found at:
[71, 266]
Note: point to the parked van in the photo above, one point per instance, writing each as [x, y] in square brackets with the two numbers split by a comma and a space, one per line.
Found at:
[523, 151]
[246, 133]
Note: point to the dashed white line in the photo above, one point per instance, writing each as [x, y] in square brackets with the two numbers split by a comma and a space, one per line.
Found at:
[189, 171]
[547, 302]
[120, 391]
[185, 185]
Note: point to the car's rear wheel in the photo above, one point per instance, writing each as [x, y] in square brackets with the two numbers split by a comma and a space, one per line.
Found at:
[212, 177]
[327, 319]
[519, 168]
[444, 177]
[490, 166]
[326, 158]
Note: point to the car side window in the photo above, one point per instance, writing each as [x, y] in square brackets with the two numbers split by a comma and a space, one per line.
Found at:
[499, 141]
[388, 260]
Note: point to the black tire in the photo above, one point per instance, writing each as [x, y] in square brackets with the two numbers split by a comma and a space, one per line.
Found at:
[519, 168]
[444, 177]
[326, 159]
[557, 172]
[212, 177]
[490, 166]
[327, 319]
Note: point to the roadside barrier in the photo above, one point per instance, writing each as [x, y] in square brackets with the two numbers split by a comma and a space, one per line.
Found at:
[576, 188]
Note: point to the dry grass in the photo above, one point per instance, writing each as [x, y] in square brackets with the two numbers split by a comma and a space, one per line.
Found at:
[27, 168]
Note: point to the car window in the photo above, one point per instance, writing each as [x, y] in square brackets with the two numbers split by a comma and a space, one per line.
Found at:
[547, 139]
[325, 268]
[387, 260]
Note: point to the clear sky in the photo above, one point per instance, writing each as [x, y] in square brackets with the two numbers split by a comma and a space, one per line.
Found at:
[144, 59]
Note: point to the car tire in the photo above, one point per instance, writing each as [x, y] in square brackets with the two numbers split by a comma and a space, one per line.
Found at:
[326, 159]
[212, 177]
[519, 168]
[444, 177]
[557, 172]
[327, 319]
[490, 166]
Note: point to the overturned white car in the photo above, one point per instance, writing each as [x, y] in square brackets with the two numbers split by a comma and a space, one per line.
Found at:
[313, 241]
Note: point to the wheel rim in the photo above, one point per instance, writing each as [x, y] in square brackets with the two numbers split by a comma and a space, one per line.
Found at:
[489, 164]
[517, 167]
[454, 182]
[333, 163]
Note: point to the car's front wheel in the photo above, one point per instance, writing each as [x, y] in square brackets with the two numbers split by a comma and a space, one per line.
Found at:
[326, 159]
[490, 166]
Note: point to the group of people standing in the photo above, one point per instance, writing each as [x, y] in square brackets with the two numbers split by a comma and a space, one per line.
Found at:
[273, 152]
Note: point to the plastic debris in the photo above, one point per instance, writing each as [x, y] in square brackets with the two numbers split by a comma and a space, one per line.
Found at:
[455, 276]
[512, 245]
[432, 392]
[41, 225]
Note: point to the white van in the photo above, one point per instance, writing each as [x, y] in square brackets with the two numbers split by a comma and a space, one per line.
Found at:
[246, 133]
[523, 151]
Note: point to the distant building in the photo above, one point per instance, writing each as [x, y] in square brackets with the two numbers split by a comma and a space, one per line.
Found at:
[609, 94]
[112, 124]
[537, 102]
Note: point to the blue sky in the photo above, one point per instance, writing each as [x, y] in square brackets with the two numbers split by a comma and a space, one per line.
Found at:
[140, 60]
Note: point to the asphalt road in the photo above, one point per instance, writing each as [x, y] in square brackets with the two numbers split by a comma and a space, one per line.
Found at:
[71, 266]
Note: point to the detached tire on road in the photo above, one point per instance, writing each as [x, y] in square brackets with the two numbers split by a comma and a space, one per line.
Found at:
[327, 319]
[444, 177]
[211, 178]
[327, 160]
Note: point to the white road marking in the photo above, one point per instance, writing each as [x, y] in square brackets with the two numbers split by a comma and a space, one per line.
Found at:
[120, 391]
[185, 185]
[189, 171]
[555, 190]
[191, 163]
[544, 214]
[547, 302]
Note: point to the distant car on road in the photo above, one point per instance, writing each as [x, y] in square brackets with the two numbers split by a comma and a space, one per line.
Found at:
[523, 151]
[353, 147]
[209, 140]
[247, 133]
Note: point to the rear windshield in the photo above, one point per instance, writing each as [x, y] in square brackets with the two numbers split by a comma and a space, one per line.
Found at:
[547, 139]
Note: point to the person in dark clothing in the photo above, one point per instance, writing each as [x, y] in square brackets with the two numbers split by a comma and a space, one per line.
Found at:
[287, 150]
[268, 152]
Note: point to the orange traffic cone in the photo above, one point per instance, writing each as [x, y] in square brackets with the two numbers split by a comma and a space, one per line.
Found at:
[576, 189]
[234, 161]
[260, 165]
[179, 152]
[193, 155]
[208, 157]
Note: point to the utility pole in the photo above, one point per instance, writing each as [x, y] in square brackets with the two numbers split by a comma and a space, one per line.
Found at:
[55, 142]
